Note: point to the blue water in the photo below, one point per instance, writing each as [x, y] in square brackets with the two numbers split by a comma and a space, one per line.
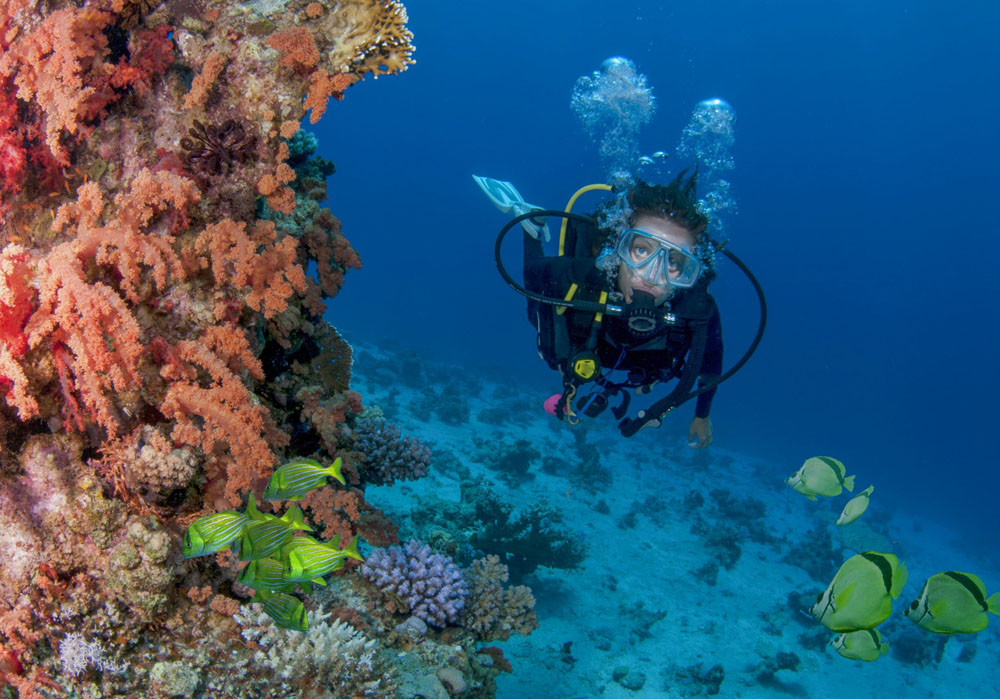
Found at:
[866, 174]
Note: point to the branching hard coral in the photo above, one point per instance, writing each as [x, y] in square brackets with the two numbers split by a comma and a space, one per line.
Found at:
[492, 611]
[389, 456]
[527, 541]
[428, 585]
[372, 37]
[333, 660]
[216, 150]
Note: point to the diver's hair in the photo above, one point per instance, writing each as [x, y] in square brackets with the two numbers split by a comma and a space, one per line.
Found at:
[677, 201]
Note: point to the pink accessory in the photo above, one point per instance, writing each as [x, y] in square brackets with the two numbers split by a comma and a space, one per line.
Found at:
[551, 402]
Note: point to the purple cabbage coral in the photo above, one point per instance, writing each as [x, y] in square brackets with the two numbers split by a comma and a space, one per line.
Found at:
[429, 583]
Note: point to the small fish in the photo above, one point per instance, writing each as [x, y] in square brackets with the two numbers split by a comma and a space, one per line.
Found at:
[863, 645]
[660, 155]
[262, 538]
[861, 593]
[213, 533]
[293, 480]
[645, 160]
[855, 507]
[266, 574]
[292, 517]
[821, 475]
[953, 602]
[299, 541]
[313, 561]
[287, 611]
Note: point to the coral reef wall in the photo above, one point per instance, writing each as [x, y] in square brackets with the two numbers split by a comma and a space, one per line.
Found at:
[162, 346]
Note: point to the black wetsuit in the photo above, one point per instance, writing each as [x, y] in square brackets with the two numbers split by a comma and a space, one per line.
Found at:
[654, 359]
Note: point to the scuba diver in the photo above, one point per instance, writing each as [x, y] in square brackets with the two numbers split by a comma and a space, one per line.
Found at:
[628, 293]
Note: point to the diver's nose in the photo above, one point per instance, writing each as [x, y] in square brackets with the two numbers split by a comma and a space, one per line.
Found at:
[653, 272]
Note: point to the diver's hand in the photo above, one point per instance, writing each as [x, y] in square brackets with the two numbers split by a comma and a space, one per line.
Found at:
[700, 433]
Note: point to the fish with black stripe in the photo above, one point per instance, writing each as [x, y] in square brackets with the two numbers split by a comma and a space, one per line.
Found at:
[953, 602]
[861, 593]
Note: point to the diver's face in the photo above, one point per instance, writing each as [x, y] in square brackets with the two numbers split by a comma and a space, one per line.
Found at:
[630, 279]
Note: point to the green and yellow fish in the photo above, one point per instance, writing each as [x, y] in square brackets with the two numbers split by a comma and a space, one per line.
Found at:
[287, 611]
[861, 593]
[953, 602]
[821, 475]
[293, 480]
[864, 645]
[267, 574]
[263, 537]
[213, 533]
[855, 507]
[292, 517]
[320, 559]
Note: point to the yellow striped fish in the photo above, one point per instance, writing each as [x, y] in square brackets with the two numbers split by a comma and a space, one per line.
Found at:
[262, 538]
[306, 562]
[287, 611]
[213, 533]
[266, 574]
[293, 480]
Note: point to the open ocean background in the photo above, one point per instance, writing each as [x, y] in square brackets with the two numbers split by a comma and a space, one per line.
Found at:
[867, 150]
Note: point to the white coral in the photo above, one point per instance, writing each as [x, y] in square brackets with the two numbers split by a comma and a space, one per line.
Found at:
[331, 656]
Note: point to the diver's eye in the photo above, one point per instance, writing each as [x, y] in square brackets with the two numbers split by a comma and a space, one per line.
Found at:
[674, 261]
[641, 250]
[913, 606]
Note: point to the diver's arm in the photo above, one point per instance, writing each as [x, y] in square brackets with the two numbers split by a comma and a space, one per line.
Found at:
[711, 365]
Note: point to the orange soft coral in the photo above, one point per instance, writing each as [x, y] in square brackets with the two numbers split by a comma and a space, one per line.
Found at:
[323, 86]
[95, 324]
[202, 84]
[263, 270]
[219, 409]
[59, 66]
[297, 47]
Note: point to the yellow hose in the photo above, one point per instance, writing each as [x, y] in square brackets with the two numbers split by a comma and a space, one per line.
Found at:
[569, 209]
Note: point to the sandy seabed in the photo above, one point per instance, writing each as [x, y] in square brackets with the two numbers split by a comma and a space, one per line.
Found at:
[645, 616]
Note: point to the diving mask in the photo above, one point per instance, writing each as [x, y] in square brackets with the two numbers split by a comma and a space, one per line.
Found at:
[657, 260]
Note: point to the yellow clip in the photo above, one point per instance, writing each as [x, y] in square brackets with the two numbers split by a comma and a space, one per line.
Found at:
[571, 417]
[584, 368]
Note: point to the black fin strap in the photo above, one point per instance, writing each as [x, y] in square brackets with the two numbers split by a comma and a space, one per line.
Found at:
[622, 408]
